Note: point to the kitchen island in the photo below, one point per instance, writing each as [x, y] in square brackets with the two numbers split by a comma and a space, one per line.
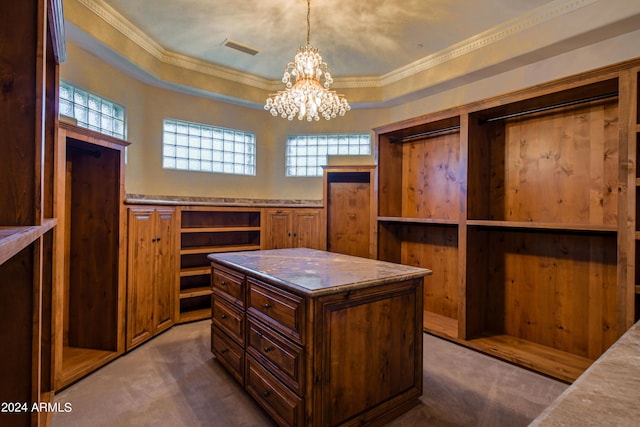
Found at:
[319, 338]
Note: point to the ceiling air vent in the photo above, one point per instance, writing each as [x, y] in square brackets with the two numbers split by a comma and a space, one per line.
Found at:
[240, 47]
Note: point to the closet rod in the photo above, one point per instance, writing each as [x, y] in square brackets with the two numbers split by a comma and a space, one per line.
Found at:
[423, 134]
[550, 107]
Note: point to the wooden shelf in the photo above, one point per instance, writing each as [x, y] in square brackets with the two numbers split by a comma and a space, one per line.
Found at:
[558, 364]
[15, 239]
[543, 225]
[78, 362]
[522, 214]
[214, 249]
[193, 315]
[195, 271]
[217, 229]
[195, 292]
[440, 325]
[637, 289]
[418, 220]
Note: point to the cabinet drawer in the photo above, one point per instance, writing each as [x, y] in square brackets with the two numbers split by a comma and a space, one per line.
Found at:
[281, 310]
[282, 404]
[281, 357]
[228, 353]
[229, 319]
[228, 284]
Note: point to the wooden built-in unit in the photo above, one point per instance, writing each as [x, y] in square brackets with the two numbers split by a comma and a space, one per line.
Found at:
[293, 228]
[520, 205]
[32, 34]
[349, 195]
[152, 262]
[205, 230]
[336, 345]
[634, 181]
[90, 266]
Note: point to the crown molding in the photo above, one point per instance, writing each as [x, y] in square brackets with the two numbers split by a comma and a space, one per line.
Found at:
[149, 45]
[482, 40]
[500, 32]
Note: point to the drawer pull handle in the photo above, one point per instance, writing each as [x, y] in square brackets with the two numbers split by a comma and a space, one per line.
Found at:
[267, 349]
[223, 283]
[224, 316]
[267, 306]
[224, 351]
[266, 393]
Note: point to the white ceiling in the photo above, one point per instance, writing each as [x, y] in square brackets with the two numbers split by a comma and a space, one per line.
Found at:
[356, 38]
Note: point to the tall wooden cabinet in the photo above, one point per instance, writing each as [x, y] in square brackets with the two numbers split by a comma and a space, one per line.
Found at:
[151, 272]
[32, 35]
[349, 194]
[90, 263]
[520, 205]
[294, 228]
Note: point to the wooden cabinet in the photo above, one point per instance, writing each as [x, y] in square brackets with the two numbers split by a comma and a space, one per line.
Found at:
[151, 272]
[350, 214]
[633, 181]
[344, 357]
[89, 308]
[32, 34]
[520, 204]
[206, 230]
[293, 228]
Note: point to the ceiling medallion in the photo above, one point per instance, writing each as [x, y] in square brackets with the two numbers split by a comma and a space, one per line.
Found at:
[307, 80]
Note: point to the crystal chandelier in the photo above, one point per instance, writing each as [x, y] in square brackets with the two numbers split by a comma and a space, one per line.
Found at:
[307, 80]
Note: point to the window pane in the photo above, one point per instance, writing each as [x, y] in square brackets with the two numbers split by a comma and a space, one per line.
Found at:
[92, 111]
[306, 154]
[208, 149]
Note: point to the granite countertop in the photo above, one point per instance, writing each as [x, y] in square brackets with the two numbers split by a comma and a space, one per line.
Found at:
[143, 199]
[314, 272]
[607, 394]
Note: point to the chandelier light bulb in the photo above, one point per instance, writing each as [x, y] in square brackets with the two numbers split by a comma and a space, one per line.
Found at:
[307, 80]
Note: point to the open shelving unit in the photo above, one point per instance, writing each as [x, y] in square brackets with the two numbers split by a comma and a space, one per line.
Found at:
[33, 47]
[90, 268]
[206, 230]
[419, 211]
[519, 205]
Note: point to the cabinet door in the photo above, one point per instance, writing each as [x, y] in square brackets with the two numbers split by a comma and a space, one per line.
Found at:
[165, 278]
[278, 229]
[140, 264]
[307, 229]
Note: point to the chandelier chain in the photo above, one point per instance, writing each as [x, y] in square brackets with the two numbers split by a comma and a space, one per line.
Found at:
[308, 22]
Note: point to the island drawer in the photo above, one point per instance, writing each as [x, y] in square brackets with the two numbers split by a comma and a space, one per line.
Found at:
[279, 355]
[284, 406]
[280, 309]
[228, 284]
[228, 353]
[229, 319]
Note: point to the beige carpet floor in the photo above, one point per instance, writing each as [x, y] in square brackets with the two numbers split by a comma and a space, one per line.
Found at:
[173, 381]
